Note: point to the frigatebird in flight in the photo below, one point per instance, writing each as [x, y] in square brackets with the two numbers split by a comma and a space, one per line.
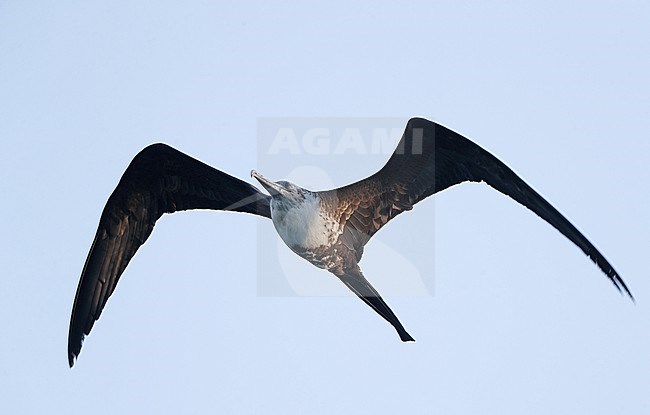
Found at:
[327, 228]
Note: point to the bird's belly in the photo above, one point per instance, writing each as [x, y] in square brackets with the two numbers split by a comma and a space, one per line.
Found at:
[313, 244]
[304, 228]
[300, 235]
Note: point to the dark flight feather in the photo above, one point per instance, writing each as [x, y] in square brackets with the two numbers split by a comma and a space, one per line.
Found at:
[430, 158]
[159, 180]
[355, 281]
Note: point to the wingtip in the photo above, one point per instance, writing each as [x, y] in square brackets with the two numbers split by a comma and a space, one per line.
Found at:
[621, 286]
[73, 353]
[629, 294]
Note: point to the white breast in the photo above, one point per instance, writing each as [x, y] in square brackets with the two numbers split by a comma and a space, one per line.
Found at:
[303, 226]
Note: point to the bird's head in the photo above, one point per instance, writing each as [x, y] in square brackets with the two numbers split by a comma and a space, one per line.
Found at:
[282, 191]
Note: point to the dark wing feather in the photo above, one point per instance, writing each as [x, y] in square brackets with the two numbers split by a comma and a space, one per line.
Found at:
[430, 158]
[159, 180]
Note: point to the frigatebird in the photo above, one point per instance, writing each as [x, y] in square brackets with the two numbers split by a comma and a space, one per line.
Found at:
[327, 228]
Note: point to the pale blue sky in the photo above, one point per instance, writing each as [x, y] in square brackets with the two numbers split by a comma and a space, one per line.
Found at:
[520, 320]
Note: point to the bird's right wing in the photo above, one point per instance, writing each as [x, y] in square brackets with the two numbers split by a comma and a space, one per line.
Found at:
[159, 180]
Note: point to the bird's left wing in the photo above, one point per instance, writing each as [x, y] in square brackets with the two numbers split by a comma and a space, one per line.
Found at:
[159, 180]
[430, 158]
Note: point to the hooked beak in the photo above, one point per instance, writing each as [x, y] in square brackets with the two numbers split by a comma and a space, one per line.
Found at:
[273, 188]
